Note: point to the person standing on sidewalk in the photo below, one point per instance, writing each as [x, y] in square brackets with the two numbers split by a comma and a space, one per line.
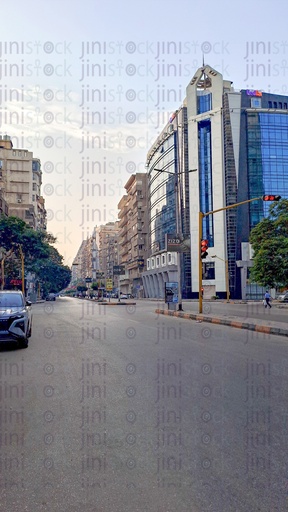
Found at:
[267, 298]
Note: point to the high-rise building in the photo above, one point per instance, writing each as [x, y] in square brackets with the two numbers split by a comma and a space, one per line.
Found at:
[238, 141]
[263, 169]
[20, 182]
[168, 203]
[133, 234]
[107, 244]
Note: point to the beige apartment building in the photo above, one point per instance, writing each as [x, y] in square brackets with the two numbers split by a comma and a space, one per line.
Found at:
[97, 256]
[82, 263]
[107, 245]
[133, 233]
[20, 183]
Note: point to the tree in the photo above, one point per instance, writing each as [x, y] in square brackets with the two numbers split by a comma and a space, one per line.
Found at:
[15, 232]
[53, 276]
[40, 257]
[82, 288]
[269, 240]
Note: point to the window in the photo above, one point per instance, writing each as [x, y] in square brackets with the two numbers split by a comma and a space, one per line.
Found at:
[255, 102]
[208, 271]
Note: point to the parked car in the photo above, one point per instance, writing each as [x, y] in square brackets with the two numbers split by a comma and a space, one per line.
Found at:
[283, 297]
[126, 296]
[15, 318]
[51, 296]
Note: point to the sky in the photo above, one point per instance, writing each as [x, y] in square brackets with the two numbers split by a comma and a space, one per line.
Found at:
[88, 87]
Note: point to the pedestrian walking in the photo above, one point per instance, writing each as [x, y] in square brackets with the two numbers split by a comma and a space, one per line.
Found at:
[267, 298]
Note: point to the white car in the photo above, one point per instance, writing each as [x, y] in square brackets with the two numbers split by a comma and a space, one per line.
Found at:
[283, 297]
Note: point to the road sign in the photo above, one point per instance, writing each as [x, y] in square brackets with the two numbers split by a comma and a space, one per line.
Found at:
[88, 280]
[119, 270]
[109, 284]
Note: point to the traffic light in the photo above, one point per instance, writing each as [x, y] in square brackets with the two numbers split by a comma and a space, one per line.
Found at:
[204, 248]
[271, 198]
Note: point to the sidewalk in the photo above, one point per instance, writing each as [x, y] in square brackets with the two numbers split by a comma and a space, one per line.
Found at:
[253, 324]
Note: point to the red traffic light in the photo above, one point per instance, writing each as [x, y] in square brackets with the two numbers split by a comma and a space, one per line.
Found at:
[204, 248]
[271, 198]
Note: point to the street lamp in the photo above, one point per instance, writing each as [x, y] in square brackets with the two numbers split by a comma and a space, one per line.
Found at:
[226, 275]
[22, 268]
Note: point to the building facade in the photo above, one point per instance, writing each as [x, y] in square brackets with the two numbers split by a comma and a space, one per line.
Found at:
[133, 234]
[238, 142]
[168, 200]
[20, 182]
[263, 170]
[107, 246]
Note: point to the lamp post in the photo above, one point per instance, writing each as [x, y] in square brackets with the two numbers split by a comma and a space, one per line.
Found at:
[226, 275]
[2, 273]
[201, 217]
[22, 268]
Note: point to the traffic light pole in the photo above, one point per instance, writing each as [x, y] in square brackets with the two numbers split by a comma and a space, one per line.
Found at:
[201, 217]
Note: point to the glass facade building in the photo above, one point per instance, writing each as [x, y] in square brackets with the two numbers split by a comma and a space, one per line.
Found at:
[238, 143]
[168, 199]
[263, 164]
[267, 148]
[162, 198]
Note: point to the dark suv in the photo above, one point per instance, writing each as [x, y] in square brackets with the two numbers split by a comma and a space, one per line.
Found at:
[15, 318]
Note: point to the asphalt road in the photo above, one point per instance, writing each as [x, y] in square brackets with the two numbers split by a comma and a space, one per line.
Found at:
[116, 409]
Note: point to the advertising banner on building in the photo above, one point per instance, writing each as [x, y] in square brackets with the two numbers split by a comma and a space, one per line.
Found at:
[171, 292]
[177, 243]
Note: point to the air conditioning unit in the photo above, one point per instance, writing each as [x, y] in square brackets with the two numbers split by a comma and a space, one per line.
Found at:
[19, 200]
[1, 164]
[141, 197]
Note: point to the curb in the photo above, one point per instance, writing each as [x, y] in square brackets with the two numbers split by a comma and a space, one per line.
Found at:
[278, 331]
[117, 303]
